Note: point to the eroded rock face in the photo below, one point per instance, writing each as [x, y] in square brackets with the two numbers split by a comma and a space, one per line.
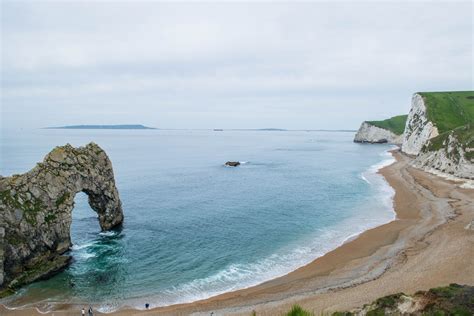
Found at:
[451, 158]
[418, 129]
[369, 133]
[36, 207]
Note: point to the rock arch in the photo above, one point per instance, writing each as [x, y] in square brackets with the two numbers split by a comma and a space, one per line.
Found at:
[36, 210]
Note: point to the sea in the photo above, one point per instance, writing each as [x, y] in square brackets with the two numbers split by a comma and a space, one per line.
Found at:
[195, 228]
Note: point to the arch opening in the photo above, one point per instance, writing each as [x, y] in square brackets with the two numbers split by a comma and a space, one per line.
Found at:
[85, 224]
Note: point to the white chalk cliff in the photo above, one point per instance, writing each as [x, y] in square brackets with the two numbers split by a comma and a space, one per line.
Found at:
[418, 129]
[451, 159]
[369, 133]
[450, 155]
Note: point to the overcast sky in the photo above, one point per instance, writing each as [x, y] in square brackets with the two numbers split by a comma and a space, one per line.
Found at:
[327, 65]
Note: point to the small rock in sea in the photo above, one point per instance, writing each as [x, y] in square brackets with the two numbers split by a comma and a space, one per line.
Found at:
[232, 163]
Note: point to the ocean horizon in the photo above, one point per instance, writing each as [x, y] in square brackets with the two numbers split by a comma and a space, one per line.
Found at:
[195, 228]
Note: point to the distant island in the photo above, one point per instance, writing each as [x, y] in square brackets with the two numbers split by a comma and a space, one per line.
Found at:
[127, 126]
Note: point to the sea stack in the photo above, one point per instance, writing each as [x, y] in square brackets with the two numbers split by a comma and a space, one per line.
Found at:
[36, 211]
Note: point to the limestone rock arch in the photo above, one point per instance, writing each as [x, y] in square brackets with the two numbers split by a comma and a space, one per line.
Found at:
[36, 210]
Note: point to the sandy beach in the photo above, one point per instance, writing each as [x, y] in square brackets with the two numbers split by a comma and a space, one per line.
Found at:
[426, 246]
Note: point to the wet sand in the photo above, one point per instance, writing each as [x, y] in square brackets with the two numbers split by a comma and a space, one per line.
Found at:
[426, 246]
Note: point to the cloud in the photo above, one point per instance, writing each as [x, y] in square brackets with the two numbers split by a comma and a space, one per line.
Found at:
[363, 59]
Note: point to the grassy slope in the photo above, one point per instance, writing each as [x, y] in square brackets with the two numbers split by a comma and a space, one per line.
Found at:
[395, 124]
[452, 113]
[448, 110]
[464, 134]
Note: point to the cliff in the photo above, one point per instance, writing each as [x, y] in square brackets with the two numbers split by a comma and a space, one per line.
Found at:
[36, 207]
[451, 152]
[439, 132]
[419, 129]
[386, 131]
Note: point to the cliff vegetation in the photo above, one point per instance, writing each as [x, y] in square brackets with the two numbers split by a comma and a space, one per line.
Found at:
[454, 299]
[464, 135]
[394, 124]
[448, 110]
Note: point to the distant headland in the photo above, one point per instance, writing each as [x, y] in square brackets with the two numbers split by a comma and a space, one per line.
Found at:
[126, 126]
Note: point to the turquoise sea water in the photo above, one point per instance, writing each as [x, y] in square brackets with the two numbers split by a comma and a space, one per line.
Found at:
[195, 228]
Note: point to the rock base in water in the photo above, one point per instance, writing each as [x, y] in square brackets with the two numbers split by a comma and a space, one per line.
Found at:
[378, 141]
[232, 163]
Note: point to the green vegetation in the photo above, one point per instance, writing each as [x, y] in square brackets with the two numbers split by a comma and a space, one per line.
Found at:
[40, 269]
[296, 310]
[15, 239]
[448, 110]
[384, 304]
[62, 199]
[6, 292]
[376, 312]
[9, 200]
[464, 136]
[30, 208]
[50, 217]
[394, 124]
[388, 301]
[447, 291]
[455, 299]
[452, 300]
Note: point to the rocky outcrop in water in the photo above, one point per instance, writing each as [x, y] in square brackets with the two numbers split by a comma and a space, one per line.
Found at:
[232, 163]
[36, 207]
[369, 133]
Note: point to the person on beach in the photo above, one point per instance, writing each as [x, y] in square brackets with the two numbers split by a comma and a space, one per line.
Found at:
[83, 312]
[91, 313]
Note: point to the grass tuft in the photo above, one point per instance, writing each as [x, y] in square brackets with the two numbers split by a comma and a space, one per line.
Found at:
[296, 310]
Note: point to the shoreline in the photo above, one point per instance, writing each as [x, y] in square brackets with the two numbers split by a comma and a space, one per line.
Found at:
[424, 206]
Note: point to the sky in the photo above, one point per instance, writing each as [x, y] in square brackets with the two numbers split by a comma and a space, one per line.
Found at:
[311, 65]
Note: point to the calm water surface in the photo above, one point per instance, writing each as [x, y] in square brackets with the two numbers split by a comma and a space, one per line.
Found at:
[194, 228]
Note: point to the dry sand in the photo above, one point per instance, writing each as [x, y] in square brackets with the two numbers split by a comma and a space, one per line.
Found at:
[426, 246]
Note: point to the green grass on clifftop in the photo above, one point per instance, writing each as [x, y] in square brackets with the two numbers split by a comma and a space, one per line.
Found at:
[448, 110]
[395, 124]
